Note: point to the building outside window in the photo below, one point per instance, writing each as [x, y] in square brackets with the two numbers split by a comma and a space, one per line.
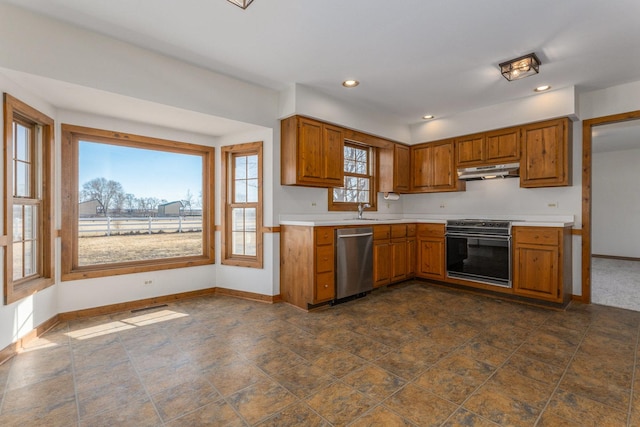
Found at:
[134, 203]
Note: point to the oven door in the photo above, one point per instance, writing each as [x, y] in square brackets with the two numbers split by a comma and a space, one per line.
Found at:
[479, 258]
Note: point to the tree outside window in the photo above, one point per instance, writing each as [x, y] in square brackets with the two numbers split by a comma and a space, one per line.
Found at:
[128, 203]
[358, 180]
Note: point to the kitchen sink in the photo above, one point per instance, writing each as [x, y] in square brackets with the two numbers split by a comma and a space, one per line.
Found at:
[363, 219]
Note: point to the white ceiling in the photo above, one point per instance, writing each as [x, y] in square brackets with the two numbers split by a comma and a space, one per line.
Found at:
[412, 57]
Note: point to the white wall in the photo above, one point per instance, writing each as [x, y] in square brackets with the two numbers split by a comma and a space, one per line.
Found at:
[303, 100]
[265, 281]
[534, 108]
[613, 100]
[616, 203]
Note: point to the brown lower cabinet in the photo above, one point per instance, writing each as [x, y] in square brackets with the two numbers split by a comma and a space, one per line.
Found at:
[307, 265]
[542, 263]
[430, 251]
[393, 253]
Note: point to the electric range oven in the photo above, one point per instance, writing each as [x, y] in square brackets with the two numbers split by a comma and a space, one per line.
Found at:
[479, 251]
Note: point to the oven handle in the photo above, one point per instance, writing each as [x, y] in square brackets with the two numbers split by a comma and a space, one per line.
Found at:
[483, 236]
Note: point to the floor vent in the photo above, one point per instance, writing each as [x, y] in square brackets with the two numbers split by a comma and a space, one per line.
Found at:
[137, 310]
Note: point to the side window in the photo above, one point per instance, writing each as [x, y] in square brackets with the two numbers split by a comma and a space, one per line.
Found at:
[359, 182]
[133, 203]
[242, 195]
[28, 200]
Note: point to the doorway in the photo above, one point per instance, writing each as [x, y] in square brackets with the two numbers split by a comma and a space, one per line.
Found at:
[610, 257]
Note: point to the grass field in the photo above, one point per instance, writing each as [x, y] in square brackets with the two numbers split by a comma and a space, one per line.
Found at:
[111, 249]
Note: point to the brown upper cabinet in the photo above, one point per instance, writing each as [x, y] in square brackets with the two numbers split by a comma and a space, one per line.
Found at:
[394, 169]
[488, 148]
[312, 153]
[433, 168]
[546, 154]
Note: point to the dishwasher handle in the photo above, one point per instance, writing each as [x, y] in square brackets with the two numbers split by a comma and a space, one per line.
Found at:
[345, 236]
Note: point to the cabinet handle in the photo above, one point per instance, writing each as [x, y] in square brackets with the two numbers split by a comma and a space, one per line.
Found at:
[326, 286]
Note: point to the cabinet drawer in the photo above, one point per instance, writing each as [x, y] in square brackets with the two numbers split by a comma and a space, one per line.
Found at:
[398, 231]
[324, 236]
[411, 230]
[381, 232]
[325, 287]
[324, 259]
[431, 230]
[537, 235]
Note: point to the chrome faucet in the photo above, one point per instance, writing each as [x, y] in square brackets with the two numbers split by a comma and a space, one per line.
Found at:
[361, 209]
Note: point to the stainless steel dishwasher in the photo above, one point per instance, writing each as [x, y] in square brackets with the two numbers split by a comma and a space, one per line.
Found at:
[354, 261]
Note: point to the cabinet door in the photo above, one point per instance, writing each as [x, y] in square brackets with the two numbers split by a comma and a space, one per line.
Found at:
[310, 161]
[503, 146]
[443, 166]
[333, 155]
[398, 260]
[470, 150]
[319, 153]
[422, 170]
[433, 168]
[536, 272]
[381, 263]
[431, 258]
[401, 168]
[545, 154]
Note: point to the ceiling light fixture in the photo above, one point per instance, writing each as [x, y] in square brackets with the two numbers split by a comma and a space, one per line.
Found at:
[518, 68]
[542, 88]
[350, 83]
[241, 3]
[428, 117]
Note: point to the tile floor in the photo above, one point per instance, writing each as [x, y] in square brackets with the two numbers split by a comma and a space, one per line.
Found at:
[411, 355]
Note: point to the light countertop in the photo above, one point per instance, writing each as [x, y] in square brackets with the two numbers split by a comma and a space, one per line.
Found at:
[334, 220]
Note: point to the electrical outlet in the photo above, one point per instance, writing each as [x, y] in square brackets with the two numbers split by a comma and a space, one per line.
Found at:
[313, 203]
[442, 206]
[553, 205]
[388, 205]
[148, 282]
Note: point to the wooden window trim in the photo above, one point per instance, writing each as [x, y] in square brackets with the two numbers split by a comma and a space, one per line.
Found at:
[349, 206]
[15, 109]
[70, 137]
[228, 258]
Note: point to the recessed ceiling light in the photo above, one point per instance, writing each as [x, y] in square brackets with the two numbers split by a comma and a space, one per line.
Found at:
[350, 83]
[428, 117]
[542, 88]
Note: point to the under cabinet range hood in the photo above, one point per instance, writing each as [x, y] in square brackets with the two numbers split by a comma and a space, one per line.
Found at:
[489, 172]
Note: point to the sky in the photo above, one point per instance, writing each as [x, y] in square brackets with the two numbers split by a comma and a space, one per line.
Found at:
[143, 173]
